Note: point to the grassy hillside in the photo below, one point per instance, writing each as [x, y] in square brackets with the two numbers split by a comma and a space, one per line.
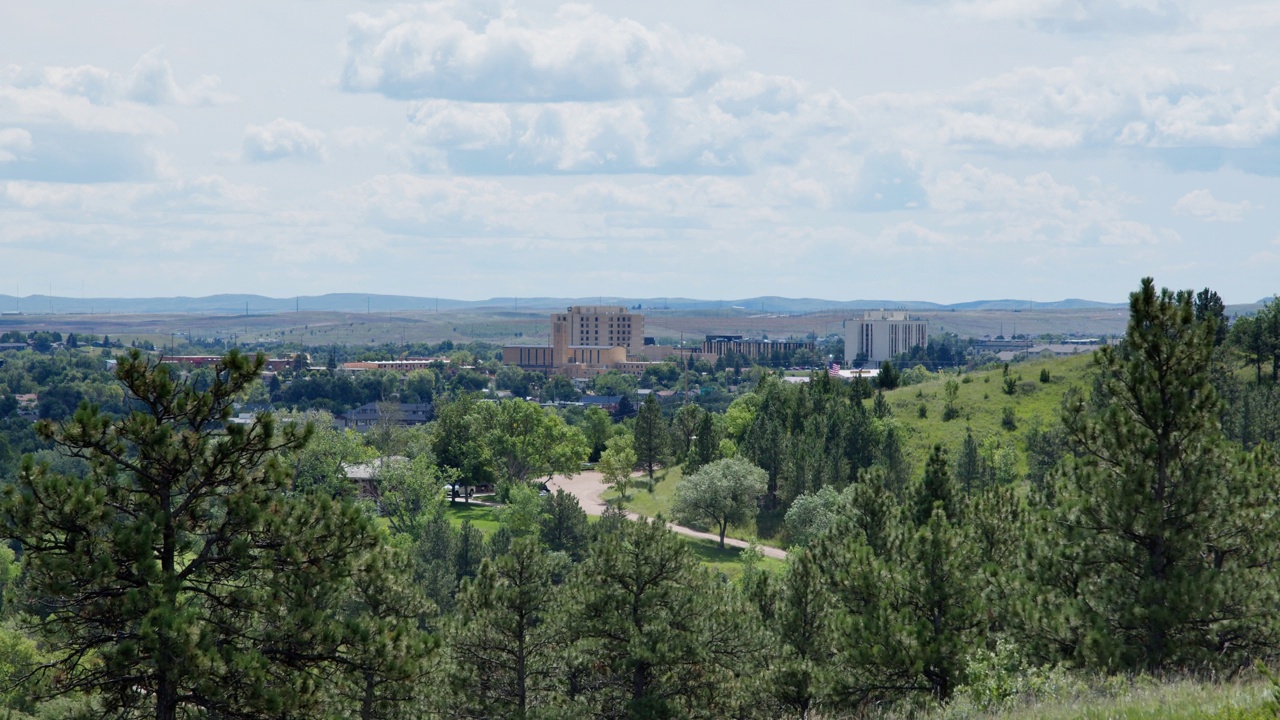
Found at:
[1118, 698]
[981, 401]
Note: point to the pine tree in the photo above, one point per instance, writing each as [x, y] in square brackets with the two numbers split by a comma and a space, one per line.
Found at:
[799, 677]
[177, 577]
[655, 636]
[563, 526]
[1168, 525]
[507, 655]
[935, 489]
[969, 464]
[905, 605]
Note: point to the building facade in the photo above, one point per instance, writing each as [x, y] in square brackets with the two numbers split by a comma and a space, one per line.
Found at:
[598, 326]
[721, 345]
[879, 335]
[586, 340]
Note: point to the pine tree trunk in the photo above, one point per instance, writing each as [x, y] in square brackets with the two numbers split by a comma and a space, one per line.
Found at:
[166, 697]
[366, 700]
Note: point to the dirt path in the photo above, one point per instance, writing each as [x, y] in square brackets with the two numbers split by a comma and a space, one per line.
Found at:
[586, 486]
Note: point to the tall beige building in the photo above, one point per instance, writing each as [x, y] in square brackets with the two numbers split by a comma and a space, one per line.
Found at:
[586, 340]
[597, 326]
[881, 334]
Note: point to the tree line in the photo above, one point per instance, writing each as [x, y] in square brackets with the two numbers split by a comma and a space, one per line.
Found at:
[185, 566]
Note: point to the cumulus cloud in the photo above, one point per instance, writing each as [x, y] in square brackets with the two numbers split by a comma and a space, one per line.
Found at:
[874, 182]
[14, 142]
[87, 123]
[1202, 204]
[732, 128]
[282, 139]
[1107, 104]
[1001, 208]
[443, 50]
[152, 83]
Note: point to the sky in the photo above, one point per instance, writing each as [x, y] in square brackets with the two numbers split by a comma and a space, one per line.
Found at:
[941, 150]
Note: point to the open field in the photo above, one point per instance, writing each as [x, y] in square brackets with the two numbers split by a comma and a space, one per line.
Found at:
[981, 401]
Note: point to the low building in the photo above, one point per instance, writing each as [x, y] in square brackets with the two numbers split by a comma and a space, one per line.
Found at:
[375, 413]
[407, 365]
[198, 361]
[609, 403]
[718, 346]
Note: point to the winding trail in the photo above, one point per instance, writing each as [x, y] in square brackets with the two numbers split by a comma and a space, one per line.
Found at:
[588, 488]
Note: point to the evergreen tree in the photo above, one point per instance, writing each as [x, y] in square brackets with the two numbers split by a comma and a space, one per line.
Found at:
[506, 653]
[799, 677]
[936, 489]
[706, 443]
[888, 377]
[650, 435]
[905, 616]
[176, 576]
[564, 524]
[655, 636]
[1168, 525]
[969, 463]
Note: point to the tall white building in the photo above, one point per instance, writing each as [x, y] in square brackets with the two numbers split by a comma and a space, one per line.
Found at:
[881, 334]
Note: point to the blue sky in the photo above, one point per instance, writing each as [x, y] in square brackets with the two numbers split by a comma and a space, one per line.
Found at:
[941, 150]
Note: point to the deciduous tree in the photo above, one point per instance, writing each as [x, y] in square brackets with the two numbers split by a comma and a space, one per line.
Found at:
[722, 494]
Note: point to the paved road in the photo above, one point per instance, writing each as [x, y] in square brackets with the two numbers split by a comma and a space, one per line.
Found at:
[587, 487]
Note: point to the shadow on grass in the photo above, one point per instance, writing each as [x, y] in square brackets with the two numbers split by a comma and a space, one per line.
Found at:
[769, 523]
[479, 515]
[708, 551]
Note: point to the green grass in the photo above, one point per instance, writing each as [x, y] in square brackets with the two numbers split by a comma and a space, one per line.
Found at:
[481, 516]
[727, 561]
[659, 502]
[1138, 699]
[981, 402]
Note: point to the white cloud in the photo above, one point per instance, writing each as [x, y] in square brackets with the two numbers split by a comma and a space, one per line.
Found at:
[87, 123]
[128, 202]
[1202, 204]
[1119, 102]
[444, 50]
[873, 182]
[152, 83]
[1037, 209]
[733, 128]
[13, 143]
[282, 139]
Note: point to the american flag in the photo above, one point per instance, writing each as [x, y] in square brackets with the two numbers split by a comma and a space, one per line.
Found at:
[833, 370]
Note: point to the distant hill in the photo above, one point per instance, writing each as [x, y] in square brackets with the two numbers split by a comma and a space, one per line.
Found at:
[357, 302]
